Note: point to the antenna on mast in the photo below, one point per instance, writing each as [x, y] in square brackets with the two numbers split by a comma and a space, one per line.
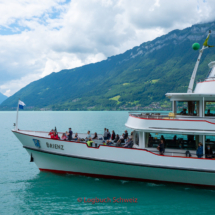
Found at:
[196, 47]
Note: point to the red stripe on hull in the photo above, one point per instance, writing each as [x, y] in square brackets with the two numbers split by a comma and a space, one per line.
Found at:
[121, 178]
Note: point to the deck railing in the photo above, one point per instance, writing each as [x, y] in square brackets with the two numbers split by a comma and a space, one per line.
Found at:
[180, 154]
[170, 115]
[149, 115]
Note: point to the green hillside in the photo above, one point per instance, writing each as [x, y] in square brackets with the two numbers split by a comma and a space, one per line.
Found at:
[136, 79]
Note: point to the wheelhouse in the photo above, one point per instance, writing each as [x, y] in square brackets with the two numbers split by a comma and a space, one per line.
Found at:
[191, 120]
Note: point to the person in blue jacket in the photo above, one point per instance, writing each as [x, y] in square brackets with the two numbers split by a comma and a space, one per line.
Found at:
[199, 151]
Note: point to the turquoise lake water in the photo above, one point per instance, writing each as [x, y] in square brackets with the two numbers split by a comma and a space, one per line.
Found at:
[26, 190]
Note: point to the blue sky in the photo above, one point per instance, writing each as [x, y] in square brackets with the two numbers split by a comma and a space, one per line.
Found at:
[41, 37]
[15, 25]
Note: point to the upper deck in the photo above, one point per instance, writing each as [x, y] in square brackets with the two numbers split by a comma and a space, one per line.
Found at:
[171, 123]
[192, 113]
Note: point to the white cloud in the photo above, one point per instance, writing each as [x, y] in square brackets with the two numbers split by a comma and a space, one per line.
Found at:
[37, 38]
[13, 10]
[156, 4]
[13, 85]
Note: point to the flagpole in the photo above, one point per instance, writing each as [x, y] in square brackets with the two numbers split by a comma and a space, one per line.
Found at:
[17, 115]
[192, 80]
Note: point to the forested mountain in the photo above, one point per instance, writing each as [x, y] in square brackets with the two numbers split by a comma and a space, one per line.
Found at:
[134, 79]
[2, 98]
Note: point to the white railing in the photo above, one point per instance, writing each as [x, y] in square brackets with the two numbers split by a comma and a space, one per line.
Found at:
[149, 115]
[45, 134]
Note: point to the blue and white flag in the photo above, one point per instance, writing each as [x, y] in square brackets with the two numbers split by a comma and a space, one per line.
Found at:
[21, 104]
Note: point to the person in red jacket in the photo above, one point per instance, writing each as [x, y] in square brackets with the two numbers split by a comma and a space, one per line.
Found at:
[52, 135]
[51, 132]
[56, 136]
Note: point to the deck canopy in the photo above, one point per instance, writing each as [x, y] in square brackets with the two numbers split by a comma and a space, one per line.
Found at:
[190, 96]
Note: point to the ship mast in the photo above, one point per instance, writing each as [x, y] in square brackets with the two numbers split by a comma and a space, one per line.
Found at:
[192, 80]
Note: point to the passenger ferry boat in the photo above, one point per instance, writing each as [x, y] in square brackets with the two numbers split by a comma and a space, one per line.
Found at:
[142, 162]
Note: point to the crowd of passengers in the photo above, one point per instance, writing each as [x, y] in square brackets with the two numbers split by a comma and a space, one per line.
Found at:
[109, 139]
[125, 141]
[199, 152]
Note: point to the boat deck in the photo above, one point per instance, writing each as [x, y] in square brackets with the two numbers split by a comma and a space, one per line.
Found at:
[97, 142]
[172, 124]
[157, 115]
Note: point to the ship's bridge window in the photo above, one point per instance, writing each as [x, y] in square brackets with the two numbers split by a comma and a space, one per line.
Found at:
[190, 108]
[209, 108]
[172, 141]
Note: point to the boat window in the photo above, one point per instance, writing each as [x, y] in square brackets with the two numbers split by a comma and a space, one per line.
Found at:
[210, 140]
[172, 141]
[136, 138]
[189, 108]
[209, 108]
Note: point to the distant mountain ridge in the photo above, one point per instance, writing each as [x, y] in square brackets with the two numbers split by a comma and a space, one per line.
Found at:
[2, 97]
[135, 79]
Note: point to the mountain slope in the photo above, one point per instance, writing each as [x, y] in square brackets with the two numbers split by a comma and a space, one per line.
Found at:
[2, 98]
[137, 77]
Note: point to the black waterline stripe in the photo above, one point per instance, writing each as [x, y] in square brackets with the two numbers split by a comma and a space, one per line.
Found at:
[118, 162]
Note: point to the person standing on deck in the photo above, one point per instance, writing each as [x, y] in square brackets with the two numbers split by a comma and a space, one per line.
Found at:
[126, 135]
[164, 140]
[108, 134]
[208, 152]
[199, 151]
[113, 136]
[69, 134]
[105, 134]
[161, 147]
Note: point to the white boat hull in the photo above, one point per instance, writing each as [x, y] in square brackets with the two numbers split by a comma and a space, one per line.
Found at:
[62, 164]
[118, 163]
